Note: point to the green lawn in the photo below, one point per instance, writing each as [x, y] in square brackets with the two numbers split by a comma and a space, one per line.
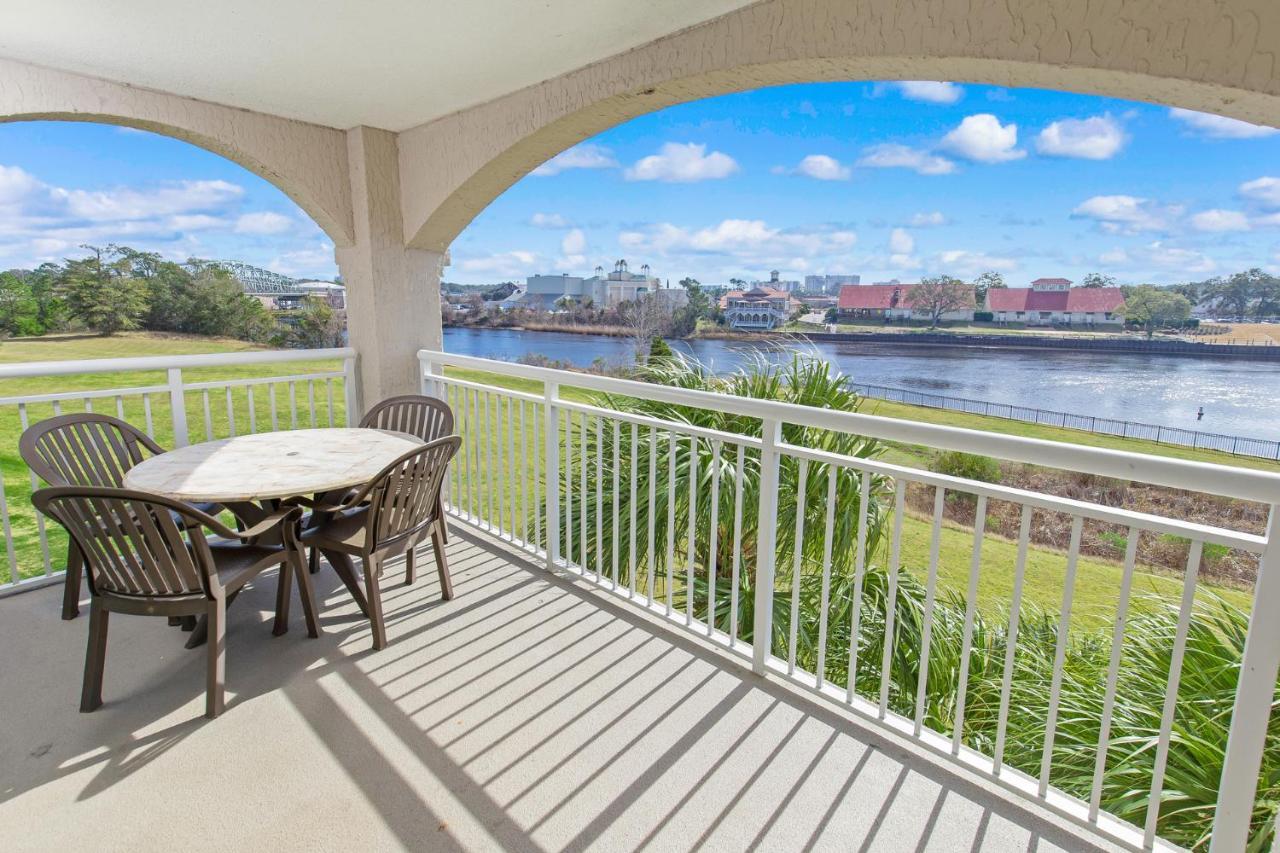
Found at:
[16, 480]
[1097, 579]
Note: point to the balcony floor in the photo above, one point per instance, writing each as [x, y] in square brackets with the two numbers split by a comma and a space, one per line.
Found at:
[530, 713]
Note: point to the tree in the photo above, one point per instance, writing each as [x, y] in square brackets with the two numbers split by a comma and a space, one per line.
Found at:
[314, 325]
[988, 280]
[1097, 279]
[101, 292]
[19, 312]
[646, 316]
[1155, 308]
[1241, 294]
[684, 320]
[936, 295]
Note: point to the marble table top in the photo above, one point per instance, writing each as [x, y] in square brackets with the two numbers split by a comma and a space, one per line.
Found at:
[270, 465]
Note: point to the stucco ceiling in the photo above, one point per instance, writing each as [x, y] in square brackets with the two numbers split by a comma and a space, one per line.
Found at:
[392, 64]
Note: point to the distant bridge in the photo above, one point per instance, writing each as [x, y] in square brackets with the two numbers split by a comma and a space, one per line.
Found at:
[256, 280]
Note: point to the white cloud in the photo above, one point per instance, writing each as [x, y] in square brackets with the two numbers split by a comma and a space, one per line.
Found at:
[932, 219]
[16, 185]
[264, 222]
[682, 163]
[574, 243]
[548, 220]
[1219, 127]
[1114, 256]
[1161, 254]
[900, 242]
[588, 155]
[968, 263]
[1097, 138]
[982, 138]
[1218, 220]
[751, 241]
[1265, 191]
[823, 168]
[312, 262]
[1126, 214]
[893, 156]
[514, 264]
[930, 91]
[128, 203]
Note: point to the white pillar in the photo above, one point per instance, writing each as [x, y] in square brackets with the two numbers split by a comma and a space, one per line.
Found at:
[393, 293]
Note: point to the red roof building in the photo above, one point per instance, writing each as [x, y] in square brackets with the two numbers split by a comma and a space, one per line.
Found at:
[1038, 306]
[890, 301]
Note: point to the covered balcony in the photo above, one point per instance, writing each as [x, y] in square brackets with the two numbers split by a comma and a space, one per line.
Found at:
[684, 619]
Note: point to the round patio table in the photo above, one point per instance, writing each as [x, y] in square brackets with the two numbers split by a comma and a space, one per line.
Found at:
[247, 471]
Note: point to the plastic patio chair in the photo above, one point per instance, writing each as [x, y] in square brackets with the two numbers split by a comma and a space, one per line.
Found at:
[148, 555]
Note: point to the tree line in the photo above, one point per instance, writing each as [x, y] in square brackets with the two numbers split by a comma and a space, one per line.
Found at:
[116, 289]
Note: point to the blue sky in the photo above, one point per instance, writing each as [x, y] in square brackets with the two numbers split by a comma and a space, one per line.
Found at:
[881, 179]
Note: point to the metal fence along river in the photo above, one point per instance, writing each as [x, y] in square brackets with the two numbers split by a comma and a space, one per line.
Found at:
[1236, 445]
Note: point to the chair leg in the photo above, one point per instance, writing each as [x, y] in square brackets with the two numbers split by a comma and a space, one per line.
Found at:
[444, 528]
[313, 561]
[409, 566]
[374, 594]
[217, 665]
[284, 592]
[71, 589]
[308, 595]
[95, 658]
[442, 565]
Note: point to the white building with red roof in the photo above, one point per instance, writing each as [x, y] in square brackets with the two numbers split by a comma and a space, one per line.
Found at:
[1053, 301]
[890, 302]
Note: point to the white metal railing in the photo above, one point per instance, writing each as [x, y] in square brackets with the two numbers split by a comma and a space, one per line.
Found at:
[620, 498]
[175, 412]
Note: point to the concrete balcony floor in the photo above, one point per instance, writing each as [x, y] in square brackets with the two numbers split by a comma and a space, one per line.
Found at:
[530, 713]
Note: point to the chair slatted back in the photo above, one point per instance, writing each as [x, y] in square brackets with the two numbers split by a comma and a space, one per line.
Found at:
[404, 497]
[84, 449]
[413, 414]
[134, 543]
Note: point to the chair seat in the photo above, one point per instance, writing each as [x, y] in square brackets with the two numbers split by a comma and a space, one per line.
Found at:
[347, 527]
[233, 560]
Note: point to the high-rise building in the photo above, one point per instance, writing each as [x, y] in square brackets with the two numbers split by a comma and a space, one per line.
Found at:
[829, 284]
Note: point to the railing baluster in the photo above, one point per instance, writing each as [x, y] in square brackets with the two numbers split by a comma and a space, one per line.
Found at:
[275, 421]
[496, 476]
[1171, 690]
[970, 606]
[614, 556]
[1113, 672]
[860, 565]
[931, 585]
[311, 401]
[253, 415]
[539, 476]
[584, 496]
[120, 407]
[487, 435]
[293, 405]
[8, 533]
[525, 471]
[713, 552]
[766, 545]
[514, 477]
[891, 602]
[41, 533]
[551, 469]
[693, 530]
[328, 388]
[632, 562]
[653, 512]
[793, 633]
[231, 415]
[568, 487]
[88, 404]
[833, 473]
[599, 482]
[146, 413]
[672, 448]
[1011, 637]
[737, 546]
[1060, 654]
[208, 416]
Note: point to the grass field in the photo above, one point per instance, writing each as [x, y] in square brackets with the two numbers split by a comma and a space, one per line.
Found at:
[1097, 581]
[1266, 334]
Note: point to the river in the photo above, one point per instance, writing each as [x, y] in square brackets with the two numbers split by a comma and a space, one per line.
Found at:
[1239, 397]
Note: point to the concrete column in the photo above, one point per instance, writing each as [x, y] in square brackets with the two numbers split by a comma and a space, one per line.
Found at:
[393, 292]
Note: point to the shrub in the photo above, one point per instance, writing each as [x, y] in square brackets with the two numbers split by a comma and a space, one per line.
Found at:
[983, 316]
[967, 466]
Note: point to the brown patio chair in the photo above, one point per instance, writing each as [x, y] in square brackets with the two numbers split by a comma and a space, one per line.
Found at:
[148, 555]
[387, 517]
[417, 415]
[86, 449]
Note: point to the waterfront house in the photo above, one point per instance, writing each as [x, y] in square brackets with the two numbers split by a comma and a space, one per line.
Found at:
[892, 302]
[1054, 302]
[758, 309]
